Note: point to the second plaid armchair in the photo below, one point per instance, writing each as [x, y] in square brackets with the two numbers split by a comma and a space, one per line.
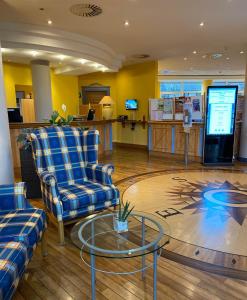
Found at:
[73, 184]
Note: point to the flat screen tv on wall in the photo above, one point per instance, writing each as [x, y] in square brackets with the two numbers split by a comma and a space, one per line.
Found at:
[131, 104]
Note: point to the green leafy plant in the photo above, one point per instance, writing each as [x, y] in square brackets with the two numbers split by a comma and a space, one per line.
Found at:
[24, 138]
[124, 211]
[57, 119]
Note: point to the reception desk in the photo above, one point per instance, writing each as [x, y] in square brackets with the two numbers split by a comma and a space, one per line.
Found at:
[169, 137]
[104, 127]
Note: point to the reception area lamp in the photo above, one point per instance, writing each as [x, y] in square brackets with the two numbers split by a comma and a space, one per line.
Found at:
[107, 108]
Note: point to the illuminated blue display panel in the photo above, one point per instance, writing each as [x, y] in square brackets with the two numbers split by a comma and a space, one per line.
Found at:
[221, 107]
[131, 104]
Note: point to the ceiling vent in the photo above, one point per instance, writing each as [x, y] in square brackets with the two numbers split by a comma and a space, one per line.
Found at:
[141, 56]
[216, 55]
[86, 10]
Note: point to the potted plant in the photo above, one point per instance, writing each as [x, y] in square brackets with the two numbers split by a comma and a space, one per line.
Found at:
[28, 171]
[121, 218]
[57, 119]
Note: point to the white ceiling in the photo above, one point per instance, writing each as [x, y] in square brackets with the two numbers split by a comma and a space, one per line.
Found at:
[167, 30]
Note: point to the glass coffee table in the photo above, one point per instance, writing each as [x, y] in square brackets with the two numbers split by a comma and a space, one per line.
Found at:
[95, 235]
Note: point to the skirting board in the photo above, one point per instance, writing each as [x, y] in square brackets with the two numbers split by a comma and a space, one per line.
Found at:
[127, 145]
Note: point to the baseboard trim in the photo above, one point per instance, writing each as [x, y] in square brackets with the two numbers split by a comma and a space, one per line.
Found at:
[127, 145]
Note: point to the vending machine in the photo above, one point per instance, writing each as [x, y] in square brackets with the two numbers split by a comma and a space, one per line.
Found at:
[220, 125]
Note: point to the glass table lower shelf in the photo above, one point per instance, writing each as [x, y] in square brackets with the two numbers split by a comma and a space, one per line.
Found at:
[96, 237]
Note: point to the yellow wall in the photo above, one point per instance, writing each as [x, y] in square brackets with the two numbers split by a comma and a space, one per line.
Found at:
[15, 74]
[131, 82]
[64, 88]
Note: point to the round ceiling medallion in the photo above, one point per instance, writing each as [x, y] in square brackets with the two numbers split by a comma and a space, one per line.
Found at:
[85, 10]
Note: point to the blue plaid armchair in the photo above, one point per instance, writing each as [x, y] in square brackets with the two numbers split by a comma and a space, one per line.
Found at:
[73, 184]
[21, 228]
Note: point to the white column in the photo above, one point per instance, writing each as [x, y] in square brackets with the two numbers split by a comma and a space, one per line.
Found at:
[6, 164]
[41, 89]
[243, 140]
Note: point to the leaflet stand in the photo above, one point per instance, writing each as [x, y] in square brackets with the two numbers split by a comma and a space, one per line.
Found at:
[187, 124]
[186, 145]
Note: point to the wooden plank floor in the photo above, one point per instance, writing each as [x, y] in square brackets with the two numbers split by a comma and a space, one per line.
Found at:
[62, 275]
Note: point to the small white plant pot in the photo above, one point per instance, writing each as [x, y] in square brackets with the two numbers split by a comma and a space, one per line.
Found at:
[120, 226]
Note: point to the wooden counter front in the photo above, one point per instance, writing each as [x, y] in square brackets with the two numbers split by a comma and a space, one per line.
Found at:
[104, 127]
[169, 137]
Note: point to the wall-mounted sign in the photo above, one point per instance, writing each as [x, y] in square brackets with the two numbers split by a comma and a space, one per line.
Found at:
[221, 107]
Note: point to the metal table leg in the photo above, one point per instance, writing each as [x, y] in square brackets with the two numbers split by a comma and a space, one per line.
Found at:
[92, 263]
[155, 254]
[143, 243]
[92, 260]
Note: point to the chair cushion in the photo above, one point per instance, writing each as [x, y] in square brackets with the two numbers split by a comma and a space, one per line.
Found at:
[26, 223]
[77, 196]
[13, 260]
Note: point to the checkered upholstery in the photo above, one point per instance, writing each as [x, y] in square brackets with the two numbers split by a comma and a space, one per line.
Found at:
[21, 227]
[72, 182]
[77, 196]
[13, 260]
[13, 196]
[26, 225]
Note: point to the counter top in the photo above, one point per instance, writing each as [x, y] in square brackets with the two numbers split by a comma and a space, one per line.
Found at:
[173, 122]
[75, 123]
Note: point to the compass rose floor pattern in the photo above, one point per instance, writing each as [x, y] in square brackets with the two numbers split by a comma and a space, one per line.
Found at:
[206, 211]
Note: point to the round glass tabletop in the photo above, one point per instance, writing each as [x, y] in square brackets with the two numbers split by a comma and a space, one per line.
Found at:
[96, 235]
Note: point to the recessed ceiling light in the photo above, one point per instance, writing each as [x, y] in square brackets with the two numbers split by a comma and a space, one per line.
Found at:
[228, 58]
[126, 23]
[194, 52]
[61, 57]
[96, 65]
[242, 52]
[204, 56]
[202, 24]
[185, 58]
[104, 69]
[49, 22]
[34, 53]
[83, 61]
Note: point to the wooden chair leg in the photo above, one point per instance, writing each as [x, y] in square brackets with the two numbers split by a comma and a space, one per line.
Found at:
[61, 232]
[44, 245]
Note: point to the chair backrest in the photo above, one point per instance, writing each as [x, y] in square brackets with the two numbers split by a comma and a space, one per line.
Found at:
[64, 152]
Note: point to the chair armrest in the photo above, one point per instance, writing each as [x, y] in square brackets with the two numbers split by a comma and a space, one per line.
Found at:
[13, 196]
[100, 173]
[50, 194]
[14, 238]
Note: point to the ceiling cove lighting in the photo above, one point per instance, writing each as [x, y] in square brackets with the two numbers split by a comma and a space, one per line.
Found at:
[82, 61]
[61, 57]
[5, 50]
[33, 53]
